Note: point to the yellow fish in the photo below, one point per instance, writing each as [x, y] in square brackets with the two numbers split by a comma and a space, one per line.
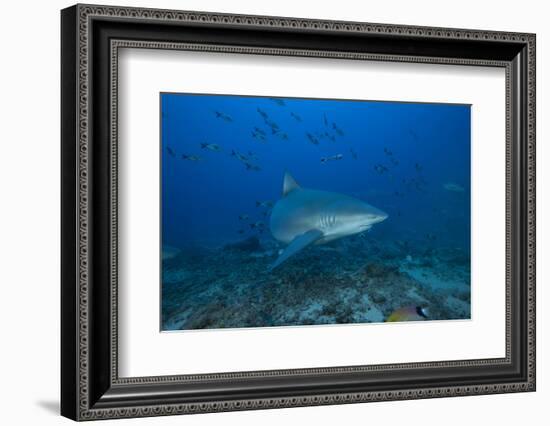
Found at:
[408, 313]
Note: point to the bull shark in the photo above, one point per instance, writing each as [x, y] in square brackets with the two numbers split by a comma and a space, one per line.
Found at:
[303, 217]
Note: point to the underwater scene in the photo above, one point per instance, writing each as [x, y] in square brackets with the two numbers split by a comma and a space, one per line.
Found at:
[296, 211]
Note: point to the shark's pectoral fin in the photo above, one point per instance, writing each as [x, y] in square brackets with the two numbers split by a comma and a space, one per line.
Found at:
[297, 244]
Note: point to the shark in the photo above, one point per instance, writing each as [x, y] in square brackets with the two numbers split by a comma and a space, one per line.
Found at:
[304, 217]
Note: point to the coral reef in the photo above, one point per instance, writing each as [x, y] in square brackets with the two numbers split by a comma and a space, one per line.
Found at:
[250, 244]
[350, 281]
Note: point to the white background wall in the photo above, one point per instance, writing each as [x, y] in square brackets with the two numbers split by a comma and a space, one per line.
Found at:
[29, 211]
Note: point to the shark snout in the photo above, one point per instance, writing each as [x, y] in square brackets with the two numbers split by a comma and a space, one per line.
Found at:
[372, 219]
[382, 217]
[370, 216]
[376, 215]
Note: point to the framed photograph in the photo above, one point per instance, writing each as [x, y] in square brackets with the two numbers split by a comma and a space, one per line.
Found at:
[263, 212]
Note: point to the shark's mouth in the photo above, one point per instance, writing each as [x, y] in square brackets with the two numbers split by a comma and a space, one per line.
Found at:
[375, 220]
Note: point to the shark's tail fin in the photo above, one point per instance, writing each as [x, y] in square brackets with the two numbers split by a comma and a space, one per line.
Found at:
[204, 145]
[184, 156]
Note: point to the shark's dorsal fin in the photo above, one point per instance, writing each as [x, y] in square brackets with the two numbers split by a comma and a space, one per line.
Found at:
[289, 184]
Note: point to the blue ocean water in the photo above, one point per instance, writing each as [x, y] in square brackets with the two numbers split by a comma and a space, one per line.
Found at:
[223, 162]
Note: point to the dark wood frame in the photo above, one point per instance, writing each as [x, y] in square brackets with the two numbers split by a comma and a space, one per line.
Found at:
[90, 386]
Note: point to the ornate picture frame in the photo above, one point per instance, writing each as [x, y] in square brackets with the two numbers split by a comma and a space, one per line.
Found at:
[91, 37]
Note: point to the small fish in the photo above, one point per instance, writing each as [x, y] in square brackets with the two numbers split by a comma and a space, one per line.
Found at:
[416, 184]
[260, 131]
[394, 161]
[278, 101]
[312, 139]
[413, 135]
[252, 167]
[190, 157]
[260, 255]
[296, 117]
[241, 231]
[239, 156]
[262, 113]
[223, 116]
[252, 156]
[274, 126]
[244, 217]
[332, 158]
[169, 252]
[337, 129]
[418, 167]
[267, 203]
[431, 236]
[258, 136]
[257, 225]
[353, 154]
[408, 313]
[453, 187]
[211, 146]
[332, 138]
[283, 136]
[388, 152]
[325, 120]
[380, 169]
[171, 151]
